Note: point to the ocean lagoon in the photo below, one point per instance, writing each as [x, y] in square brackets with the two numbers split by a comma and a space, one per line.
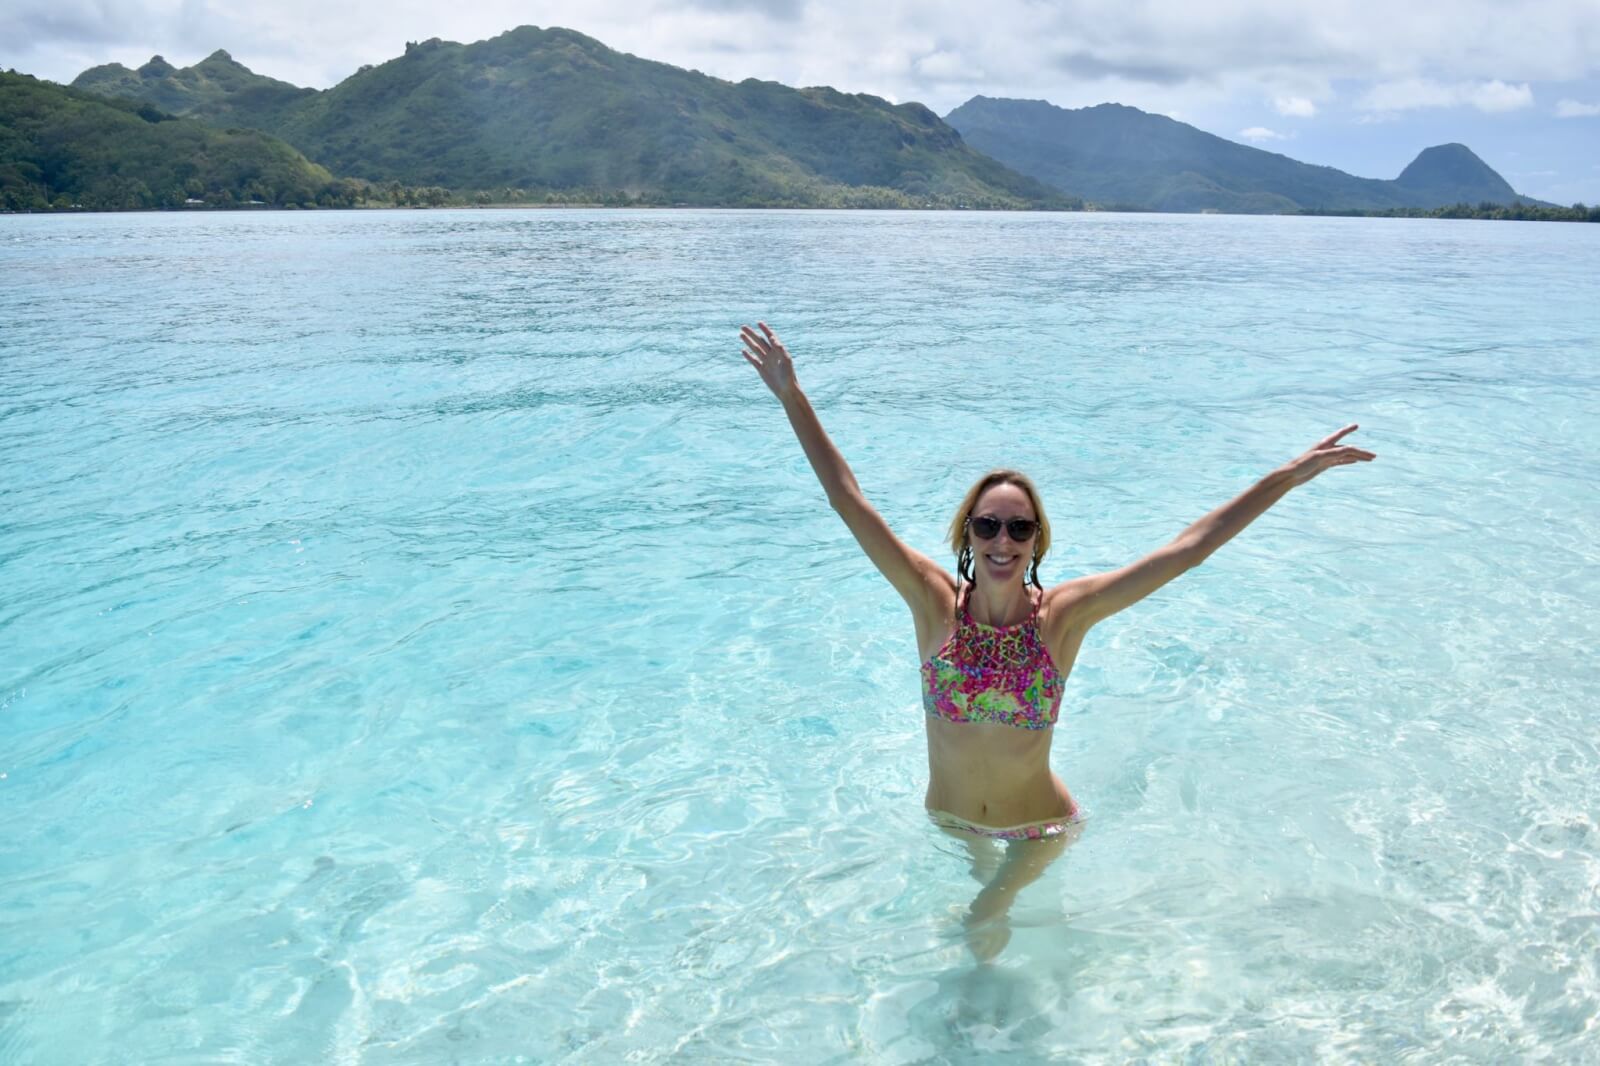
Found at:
[423, 640]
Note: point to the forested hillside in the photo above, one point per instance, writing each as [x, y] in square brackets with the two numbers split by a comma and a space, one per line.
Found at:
[62, 148]
[553, 110]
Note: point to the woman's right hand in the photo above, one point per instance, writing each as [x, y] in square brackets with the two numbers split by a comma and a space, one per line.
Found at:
[766, 353]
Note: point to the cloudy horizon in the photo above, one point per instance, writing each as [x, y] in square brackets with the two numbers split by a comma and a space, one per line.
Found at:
[1357, 85]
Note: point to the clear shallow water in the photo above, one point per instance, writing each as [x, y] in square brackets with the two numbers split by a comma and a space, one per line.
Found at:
[422, 639]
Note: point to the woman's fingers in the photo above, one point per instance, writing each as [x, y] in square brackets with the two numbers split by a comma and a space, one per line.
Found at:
[1346, 456]
[766, 353]
[1333, 438]
[768, 347]
[758, 344]
[770, 340]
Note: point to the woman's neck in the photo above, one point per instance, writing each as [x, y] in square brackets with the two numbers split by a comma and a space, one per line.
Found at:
[998, 605]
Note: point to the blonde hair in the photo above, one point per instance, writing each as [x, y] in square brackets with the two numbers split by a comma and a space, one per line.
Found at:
[961, 544]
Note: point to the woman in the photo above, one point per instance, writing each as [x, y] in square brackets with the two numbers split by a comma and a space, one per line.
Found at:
[996, 647]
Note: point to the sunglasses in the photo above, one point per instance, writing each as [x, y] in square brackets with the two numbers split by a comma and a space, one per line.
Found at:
[987, 527]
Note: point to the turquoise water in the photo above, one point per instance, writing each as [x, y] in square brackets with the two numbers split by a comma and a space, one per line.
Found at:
[422, 639]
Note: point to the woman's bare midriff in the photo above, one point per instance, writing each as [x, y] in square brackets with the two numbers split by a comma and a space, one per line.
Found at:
[994, 775]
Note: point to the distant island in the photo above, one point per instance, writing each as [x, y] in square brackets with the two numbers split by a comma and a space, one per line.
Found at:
[1121, 155]
[552, 117]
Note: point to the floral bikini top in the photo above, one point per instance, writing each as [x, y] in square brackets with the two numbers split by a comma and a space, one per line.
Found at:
[1000, 674]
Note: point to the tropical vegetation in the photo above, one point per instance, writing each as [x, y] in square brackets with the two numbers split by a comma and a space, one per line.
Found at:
[1513, 212]
[550, 111]
[63, 149]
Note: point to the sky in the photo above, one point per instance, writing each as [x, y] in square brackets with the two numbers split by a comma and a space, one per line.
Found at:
[1362, 85]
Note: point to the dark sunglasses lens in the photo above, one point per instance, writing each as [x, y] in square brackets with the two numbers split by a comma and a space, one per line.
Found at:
[987, 527]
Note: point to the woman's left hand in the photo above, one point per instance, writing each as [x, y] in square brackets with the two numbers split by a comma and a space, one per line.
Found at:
[1325, 453]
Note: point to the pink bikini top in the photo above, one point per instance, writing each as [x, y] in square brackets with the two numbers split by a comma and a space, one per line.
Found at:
[1001, 674]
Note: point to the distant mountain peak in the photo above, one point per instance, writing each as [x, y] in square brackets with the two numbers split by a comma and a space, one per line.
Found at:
[562, 33]
[1444, 159]
[1453, 169]
[216, 81]
[107, 70]
[1115, 154]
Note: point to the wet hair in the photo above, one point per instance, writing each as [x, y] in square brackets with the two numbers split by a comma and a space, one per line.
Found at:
[961, 543]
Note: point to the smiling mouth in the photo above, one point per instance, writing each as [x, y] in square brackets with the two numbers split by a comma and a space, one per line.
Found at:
[1000, 560]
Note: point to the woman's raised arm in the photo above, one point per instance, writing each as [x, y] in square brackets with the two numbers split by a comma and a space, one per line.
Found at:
[1098, 596]
[912, 574]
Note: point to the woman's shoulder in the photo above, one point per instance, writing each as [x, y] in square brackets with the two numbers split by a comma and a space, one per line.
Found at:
[1060, 604]
[944, 592]
[936, 618]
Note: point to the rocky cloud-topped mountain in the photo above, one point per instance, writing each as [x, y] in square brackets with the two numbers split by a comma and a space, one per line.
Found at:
[553, 109]
[225, 91]
[1112, 154]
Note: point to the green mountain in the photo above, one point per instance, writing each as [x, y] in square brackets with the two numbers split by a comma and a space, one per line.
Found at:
[1113, 154]
[1451, 174]
[551, 109]
[226, 91]
[61, 147]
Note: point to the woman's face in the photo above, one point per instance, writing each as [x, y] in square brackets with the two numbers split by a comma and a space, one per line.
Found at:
[1001, 559]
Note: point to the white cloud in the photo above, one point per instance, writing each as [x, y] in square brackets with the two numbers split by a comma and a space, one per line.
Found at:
[947, 66]
[1409, 94]
[1261, 133]
[1160, 55]
[1496, 96]
[1576, 109]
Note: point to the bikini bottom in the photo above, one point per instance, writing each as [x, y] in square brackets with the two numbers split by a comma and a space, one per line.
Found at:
[1050, 827]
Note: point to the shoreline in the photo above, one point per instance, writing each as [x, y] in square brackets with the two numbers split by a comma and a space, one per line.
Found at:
[1453, 213]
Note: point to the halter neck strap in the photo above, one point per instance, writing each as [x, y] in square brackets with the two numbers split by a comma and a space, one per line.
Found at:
[963, 606]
